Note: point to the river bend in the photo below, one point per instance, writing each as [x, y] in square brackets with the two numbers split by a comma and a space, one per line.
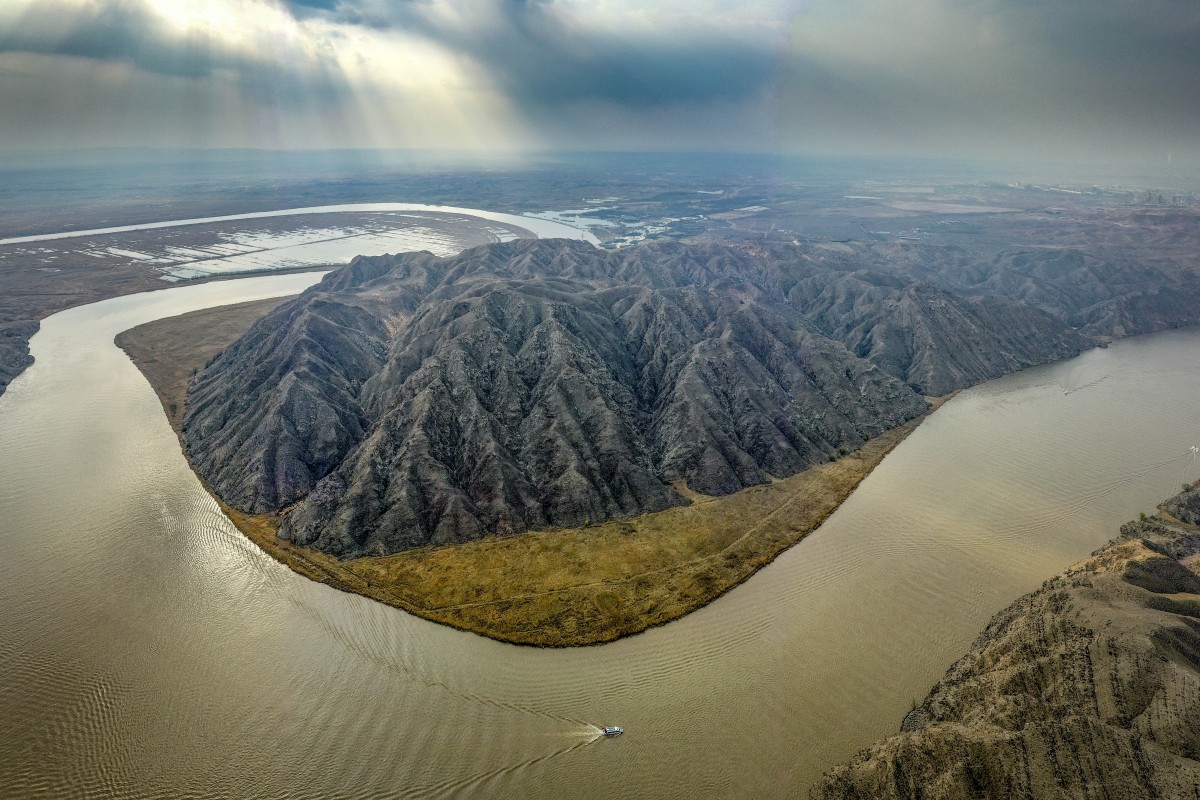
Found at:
[149, 650]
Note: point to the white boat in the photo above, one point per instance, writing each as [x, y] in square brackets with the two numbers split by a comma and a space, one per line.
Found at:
[611, 730]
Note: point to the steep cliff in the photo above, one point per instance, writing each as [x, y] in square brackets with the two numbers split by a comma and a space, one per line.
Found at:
[1086, 688]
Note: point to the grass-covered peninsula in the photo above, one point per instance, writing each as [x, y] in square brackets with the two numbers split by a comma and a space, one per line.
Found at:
[559, 587]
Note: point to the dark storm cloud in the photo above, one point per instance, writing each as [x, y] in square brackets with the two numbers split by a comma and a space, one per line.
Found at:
[303, 8]
[125, 32]
[547, 71]
[543, 59]
[131, 33]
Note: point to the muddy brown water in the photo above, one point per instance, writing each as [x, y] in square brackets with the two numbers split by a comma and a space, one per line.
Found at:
[148, 650]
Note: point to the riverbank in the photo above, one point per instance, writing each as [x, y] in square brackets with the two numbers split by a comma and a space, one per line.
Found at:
[41, 274]
[30, 291]
[1083, 688]
[169, 361]
[550, 588]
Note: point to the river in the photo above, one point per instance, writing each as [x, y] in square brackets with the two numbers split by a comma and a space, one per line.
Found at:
[543, 228]
[149, 650]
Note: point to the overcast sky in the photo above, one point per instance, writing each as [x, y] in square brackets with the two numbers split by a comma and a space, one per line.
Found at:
[1079, 79]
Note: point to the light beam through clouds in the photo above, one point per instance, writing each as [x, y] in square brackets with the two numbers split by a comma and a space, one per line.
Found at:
[1098, 79]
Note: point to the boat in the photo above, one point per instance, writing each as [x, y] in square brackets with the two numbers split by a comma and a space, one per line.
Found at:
[611, 730]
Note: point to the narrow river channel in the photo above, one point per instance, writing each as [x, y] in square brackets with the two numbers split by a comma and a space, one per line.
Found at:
[148, 650]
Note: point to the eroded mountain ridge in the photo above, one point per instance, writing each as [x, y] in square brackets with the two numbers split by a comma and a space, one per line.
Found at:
[408, 400]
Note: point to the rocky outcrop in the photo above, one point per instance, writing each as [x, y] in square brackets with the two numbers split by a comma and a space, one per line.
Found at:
[411, 400]
[279, 409]
[519, 407]
[1086, 688]
[14, 348]
[295, 410]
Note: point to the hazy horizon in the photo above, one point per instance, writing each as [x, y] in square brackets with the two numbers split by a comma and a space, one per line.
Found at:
[1104, 83]
[302, 164]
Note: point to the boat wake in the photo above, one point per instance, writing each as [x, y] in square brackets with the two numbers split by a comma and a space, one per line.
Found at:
[1066, 389]
[393, 665]
[471, 784]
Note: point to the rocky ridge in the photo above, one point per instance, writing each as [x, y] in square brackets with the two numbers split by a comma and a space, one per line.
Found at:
[410, 400]
[14, 348]
[1088, 687]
